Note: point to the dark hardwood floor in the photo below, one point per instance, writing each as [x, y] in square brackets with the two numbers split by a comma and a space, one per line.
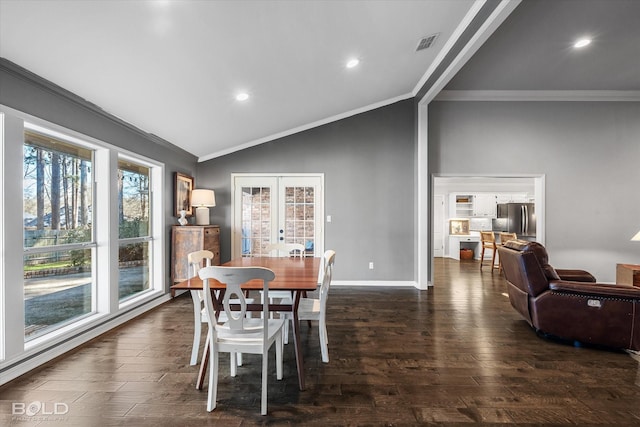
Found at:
[457, 354]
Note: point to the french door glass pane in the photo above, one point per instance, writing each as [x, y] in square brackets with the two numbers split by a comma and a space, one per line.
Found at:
[256, 220]
[300, 217]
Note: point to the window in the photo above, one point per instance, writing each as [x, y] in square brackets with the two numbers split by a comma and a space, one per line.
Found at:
[58, 239]
[133, 229]
[84, 249]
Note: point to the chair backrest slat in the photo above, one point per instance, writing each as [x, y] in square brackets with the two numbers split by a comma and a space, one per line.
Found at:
[234, 278]
[195, 260]
[286, 250]
[329, 258]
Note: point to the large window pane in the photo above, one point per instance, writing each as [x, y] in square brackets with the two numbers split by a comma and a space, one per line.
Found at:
[57, 196]
[133, 214]
[57, 187]
[133, 198]
[57, 290]
[133, 269]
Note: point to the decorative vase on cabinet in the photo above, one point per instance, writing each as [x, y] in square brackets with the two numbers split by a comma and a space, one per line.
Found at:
[186, 239]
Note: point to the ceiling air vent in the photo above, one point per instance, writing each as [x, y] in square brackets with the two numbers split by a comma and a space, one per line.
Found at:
[426, 42]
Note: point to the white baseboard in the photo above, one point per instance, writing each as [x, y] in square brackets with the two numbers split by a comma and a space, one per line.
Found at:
[386, 283]
[30, 362]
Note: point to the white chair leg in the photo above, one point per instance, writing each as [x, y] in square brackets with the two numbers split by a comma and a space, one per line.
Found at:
[197, 330]
[279, 347]
[324, 342]
[239, 359]
[233, 364]
[213, 381]
[265, 366]
[285, 329]
[197, 326]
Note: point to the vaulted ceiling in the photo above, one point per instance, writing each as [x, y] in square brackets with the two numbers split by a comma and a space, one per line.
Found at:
[173, 68]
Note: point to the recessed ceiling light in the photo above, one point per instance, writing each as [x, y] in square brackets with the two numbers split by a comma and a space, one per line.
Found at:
[353, 62]
[242, 96]
[582, 43]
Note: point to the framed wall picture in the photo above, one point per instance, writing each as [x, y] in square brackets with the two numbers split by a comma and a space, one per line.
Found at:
[182, 189]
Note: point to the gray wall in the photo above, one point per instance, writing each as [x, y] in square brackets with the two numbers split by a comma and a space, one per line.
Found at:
[589, 152]
[30, 94]
[368, 162]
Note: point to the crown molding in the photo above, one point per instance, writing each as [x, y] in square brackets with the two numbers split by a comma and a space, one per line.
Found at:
[539, 95]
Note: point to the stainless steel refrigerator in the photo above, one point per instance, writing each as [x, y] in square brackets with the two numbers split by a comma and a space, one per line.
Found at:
[520, 218]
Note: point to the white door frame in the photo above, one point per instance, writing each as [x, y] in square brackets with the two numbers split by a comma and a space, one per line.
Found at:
[236, 231]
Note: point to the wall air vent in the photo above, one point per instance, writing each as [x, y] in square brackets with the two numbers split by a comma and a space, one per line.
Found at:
[426, 42]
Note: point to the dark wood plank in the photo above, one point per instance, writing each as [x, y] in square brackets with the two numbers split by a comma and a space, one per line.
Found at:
[454, 354]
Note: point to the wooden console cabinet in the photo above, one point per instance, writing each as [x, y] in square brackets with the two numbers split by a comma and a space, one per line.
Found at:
[191, 238]
[628, 274]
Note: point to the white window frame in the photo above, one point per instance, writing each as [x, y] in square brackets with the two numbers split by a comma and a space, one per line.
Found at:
[13, 349]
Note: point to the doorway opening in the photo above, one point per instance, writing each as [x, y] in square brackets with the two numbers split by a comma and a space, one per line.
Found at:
[475, 199]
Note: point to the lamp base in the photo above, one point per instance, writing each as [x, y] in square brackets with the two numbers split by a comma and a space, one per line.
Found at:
[202, 215]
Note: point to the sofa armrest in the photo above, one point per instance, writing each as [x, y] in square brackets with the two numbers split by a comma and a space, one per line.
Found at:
[576, 276]
[595, 289]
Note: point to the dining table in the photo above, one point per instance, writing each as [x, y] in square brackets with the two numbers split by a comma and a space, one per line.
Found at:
[296, 274]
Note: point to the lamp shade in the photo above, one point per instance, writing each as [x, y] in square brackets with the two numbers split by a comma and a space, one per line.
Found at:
[636, 237]
[203, 198]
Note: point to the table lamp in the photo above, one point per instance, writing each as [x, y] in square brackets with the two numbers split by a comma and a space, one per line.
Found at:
[202, 200]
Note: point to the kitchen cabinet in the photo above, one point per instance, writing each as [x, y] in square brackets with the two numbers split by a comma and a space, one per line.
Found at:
[512, 198]
[461, 205]
[471, 241]
[191, 238]
[484, 205]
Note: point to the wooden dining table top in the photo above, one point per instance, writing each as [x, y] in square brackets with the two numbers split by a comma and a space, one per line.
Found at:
[293, 274]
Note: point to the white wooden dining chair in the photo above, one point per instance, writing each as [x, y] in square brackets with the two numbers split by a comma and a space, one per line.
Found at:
[240, 334]
[198, 260]
[316, 309]
[295, 250]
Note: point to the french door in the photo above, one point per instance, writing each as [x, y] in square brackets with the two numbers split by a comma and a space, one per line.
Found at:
[277, 208]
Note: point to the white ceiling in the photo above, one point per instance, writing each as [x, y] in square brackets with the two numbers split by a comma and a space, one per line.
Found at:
[533, 49]
[173, 68]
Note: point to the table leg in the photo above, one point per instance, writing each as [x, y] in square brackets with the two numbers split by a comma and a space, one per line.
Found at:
[296, 340]
[203, 364]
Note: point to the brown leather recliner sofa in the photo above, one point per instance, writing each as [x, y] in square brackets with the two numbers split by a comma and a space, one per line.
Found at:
[569, 304]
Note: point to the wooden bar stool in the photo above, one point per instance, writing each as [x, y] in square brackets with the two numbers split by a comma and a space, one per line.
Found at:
[488, 240]
[504, 238]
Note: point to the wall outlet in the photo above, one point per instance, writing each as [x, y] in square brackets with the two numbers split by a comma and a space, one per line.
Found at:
[371, 265]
